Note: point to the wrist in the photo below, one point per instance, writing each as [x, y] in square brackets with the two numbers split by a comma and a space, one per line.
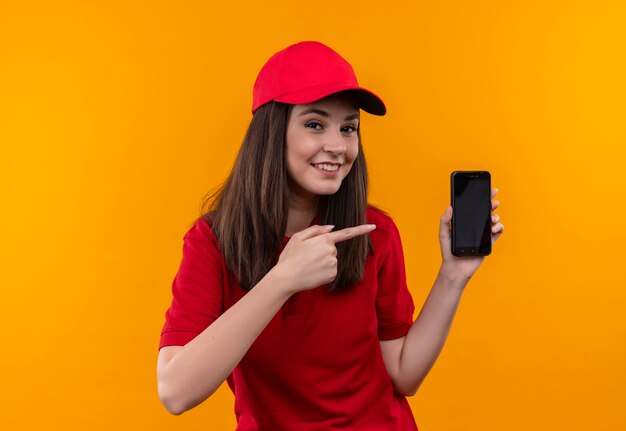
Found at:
[453, 279]
[281, 281]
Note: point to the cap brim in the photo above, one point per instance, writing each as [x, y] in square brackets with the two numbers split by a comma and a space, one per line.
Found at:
[367, 100]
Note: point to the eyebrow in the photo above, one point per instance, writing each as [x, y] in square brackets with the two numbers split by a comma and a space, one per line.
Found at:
[326, 114]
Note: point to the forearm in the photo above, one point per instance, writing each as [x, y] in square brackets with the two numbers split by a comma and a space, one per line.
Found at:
[202, 365]
[429, 332]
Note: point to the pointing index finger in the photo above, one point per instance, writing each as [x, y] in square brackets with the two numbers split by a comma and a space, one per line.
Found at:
[350, 232]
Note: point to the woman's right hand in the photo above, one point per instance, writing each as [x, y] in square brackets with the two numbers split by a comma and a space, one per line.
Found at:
[310, 257]
[189, 374]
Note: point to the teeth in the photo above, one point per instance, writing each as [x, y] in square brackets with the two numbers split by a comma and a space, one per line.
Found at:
[330, 168]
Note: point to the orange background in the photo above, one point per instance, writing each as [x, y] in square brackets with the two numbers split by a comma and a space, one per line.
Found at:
[117, 117]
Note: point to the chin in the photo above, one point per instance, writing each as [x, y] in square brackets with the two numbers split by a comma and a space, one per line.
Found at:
[327, 191]
[317, 188]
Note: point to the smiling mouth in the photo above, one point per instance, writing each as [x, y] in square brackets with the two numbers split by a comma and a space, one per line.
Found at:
[326, 166]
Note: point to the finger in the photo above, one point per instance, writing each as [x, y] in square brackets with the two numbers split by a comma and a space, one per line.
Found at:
[312, 231]
[350, 232]
[497, 228]
[447, 215]
[496, 236]
[494, 192]
[444, 225]
[495, 218]
[494, 204]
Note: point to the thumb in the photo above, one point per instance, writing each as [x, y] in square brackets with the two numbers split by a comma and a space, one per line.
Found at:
[444, 225]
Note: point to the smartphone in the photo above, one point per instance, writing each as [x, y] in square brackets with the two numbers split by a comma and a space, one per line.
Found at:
[471, 213]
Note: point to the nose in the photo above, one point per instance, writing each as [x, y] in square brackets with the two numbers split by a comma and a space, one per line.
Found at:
[335, 143]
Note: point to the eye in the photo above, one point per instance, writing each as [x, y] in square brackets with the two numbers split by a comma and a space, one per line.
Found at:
[313, 125]
[349, 129]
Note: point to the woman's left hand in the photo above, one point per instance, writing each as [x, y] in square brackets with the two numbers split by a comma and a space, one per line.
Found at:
[454, 267]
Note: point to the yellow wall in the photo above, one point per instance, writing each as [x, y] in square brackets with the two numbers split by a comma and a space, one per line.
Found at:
[116, 117]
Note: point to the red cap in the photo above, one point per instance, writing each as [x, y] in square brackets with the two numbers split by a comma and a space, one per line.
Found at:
[308, 71]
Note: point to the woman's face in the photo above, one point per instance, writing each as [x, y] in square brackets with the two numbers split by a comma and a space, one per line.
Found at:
[322, 144]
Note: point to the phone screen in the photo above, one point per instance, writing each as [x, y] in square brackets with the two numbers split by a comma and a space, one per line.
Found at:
[471, 213]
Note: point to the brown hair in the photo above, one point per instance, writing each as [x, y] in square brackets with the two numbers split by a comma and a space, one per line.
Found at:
[248, 213]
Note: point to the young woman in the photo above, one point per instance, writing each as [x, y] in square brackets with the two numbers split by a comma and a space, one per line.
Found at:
[291, 288]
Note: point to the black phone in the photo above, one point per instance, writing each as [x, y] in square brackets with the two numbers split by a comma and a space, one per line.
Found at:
[471, 213]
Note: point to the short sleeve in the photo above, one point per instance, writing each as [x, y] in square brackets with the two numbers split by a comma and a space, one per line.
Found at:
[196, 289]
[394, 304]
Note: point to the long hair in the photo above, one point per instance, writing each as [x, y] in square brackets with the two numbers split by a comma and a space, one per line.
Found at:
[248, 213]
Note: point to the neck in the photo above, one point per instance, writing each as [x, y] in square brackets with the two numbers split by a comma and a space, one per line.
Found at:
[301, 212]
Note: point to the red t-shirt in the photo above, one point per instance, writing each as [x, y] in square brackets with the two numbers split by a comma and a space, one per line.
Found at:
[318, 364]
